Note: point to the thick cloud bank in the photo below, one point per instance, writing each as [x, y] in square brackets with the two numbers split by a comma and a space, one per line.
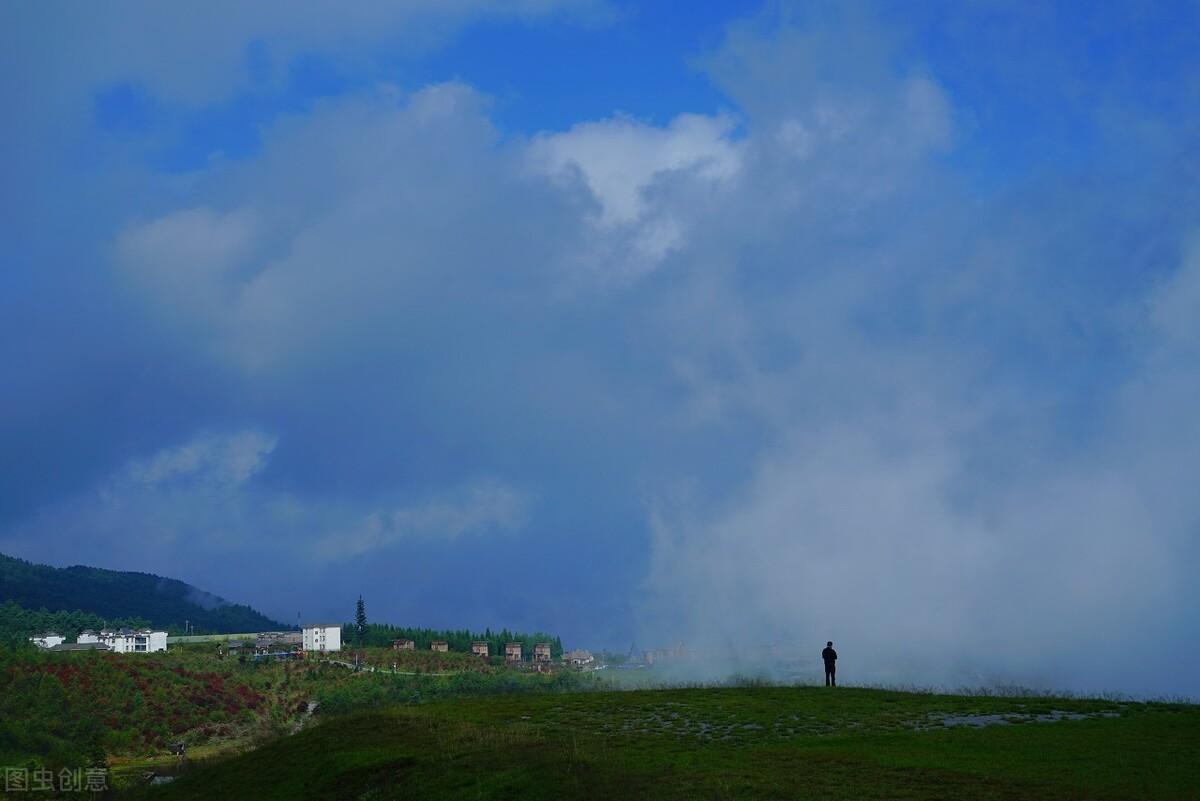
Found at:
[976, 469]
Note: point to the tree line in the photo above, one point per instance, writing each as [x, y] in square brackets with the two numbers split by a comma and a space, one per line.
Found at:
[18, 624]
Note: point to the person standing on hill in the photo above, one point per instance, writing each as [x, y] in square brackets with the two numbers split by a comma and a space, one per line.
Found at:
[830, 657]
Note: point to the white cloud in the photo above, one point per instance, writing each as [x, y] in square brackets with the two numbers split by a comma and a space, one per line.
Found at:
[479, 508]
[227, 459]
[619, 159]
[203, 495]
[919, 495]
[293, 268]
[1174, 306]
[188, 261]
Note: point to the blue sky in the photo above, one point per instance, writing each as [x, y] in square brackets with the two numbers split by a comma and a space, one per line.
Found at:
[760, 324]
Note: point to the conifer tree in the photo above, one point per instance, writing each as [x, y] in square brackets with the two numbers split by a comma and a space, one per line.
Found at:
[360, 621]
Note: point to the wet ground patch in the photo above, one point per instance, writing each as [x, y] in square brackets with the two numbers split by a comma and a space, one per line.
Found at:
[939, 720]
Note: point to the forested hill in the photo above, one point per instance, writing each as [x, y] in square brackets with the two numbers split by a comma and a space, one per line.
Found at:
[120, 595]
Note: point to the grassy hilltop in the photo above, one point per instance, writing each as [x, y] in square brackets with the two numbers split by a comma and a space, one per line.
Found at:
[432, 725]
[724, 743]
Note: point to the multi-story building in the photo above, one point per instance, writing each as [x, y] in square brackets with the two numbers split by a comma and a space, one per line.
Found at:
[322, 637]
[126, 641]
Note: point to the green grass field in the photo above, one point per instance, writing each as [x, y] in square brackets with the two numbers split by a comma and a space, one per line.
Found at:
[724, 743]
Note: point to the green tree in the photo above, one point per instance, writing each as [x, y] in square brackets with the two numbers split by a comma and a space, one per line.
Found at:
[360, 621]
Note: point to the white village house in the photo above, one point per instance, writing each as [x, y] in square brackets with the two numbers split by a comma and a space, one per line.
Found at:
[322, 637]
[48, 640]
[578, 658]
[127, 641]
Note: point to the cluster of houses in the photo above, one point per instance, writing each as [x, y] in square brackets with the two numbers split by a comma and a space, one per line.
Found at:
[270, 645]
[120, 641]
[327, 637]
[513, 651]
[313, 638]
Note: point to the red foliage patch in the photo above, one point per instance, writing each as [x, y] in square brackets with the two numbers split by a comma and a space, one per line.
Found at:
[146, 699]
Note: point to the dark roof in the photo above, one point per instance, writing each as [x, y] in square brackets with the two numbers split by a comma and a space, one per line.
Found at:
[80, 646]
[321, 626]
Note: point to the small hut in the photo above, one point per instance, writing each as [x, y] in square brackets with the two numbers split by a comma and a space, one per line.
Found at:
[512, 652]
[403, 645]
[441, 646]
[480, 648]
[541, 652]
[578, 658]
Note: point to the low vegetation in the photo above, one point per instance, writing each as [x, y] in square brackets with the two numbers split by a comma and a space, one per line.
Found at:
[726, 742]
[71, 709]
[390, 689]
[90, 708]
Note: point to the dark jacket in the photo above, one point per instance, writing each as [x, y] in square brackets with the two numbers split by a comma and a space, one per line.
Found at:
[829, 655]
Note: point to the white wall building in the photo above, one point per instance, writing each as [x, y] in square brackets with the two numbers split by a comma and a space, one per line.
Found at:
[322, 637]
[578, 658]
[128, 641]
[48, 640]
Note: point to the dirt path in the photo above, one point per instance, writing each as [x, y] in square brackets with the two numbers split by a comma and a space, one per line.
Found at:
[309, 709]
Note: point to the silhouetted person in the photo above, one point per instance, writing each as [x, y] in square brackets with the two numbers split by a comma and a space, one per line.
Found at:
[830, 657]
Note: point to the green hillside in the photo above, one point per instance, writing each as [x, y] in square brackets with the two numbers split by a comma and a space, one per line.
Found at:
[66, 710]
[114, 595]
[724, 743]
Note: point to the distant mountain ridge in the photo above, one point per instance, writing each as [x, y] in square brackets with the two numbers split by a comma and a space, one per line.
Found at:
[115, 594]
